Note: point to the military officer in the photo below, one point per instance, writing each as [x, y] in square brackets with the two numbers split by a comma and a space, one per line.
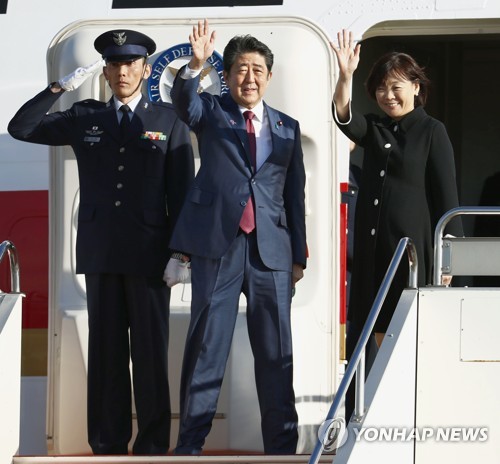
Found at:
[135, 163]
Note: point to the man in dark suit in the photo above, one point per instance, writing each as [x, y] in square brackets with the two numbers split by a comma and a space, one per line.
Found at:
[262, 253]
[135, 164]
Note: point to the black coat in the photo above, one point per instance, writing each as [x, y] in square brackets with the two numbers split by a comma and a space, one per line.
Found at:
[126, 186]
[408, 182]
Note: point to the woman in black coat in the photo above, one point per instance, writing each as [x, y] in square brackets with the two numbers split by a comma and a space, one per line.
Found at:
[408, 178]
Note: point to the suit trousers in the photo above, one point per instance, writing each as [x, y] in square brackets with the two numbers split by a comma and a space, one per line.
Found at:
[128, 320]
[216, 288]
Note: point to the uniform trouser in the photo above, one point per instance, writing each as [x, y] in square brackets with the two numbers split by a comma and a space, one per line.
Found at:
[128, 320]
[216, 288]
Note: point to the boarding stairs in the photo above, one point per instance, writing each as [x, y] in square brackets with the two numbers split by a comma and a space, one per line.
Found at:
[438, 368]
[432, 393]
[10, 357]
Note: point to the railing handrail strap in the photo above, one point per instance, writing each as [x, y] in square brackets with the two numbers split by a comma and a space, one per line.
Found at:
[404, 244]
[443, 222]
[8, 246]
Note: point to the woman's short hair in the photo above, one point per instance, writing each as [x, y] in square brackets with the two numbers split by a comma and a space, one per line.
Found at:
[399, 65]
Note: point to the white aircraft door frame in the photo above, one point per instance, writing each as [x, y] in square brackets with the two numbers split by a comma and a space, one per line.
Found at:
[303, 76]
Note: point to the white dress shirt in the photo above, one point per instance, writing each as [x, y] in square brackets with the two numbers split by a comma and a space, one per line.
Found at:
[261, 125]
[132, 104]
[263, 140]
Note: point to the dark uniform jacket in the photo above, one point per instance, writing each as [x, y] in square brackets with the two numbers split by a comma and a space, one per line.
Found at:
[210, 218]
[408, 182]
[131, 190]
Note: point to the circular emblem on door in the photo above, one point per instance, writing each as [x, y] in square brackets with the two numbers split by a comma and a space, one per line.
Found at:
[167, 65]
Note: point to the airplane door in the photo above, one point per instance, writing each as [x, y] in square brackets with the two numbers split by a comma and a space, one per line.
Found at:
[301, 86]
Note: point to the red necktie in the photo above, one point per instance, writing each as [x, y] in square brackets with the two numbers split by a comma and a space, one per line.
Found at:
[247, 221]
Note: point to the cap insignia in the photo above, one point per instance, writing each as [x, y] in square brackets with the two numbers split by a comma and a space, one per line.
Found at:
[119, 38]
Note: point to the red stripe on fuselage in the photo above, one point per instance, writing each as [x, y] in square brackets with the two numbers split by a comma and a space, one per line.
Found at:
[24, 221]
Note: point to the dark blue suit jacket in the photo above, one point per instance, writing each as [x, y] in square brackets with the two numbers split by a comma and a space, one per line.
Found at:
[209, 220]
[126, 186]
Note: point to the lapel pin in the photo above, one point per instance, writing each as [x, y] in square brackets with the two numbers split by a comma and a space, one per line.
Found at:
[279, 124]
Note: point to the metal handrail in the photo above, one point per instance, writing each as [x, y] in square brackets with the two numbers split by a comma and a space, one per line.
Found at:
[8, 246]
[443, 222]
[357, 357]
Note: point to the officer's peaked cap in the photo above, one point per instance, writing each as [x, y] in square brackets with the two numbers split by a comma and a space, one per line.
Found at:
[124, 45]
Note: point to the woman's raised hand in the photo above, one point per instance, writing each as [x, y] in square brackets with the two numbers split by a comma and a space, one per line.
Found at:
[347, 52]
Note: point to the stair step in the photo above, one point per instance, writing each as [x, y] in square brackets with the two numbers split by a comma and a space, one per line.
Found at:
[247, 459]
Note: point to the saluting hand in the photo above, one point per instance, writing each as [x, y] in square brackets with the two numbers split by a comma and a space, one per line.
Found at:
[347, 53]
[202, 43]
[75, 79]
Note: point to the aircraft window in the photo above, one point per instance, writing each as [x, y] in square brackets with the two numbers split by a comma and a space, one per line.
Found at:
[188, 3]
[3, 6]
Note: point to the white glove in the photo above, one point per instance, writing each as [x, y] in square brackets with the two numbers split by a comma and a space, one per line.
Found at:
[177, 272]
[77, 78]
